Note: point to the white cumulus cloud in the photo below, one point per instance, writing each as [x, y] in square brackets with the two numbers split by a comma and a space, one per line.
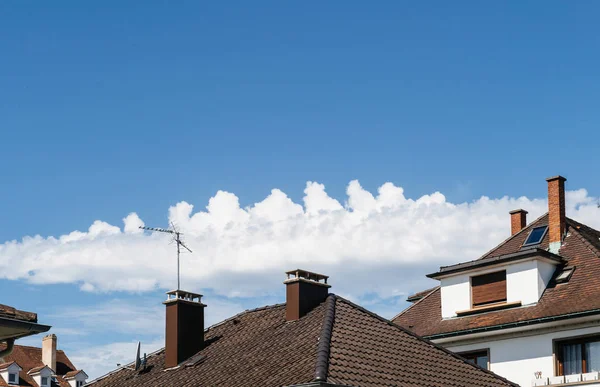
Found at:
[379, 243]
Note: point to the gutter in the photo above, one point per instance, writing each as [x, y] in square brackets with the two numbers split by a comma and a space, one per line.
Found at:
[10, 345]
[515, 324]
[27, 328]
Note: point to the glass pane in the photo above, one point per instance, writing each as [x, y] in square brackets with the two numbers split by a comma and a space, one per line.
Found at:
[592, 356]
[571, 357]
[482, 361]
[536, 235]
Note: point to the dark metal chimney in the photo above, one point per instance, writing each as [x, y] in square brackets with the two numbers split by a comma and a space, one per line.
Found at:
[304, 291]
[184, 335]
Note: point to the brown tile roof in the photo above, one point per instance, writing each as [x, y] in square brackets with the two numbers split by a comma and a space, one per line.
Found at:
[30, 359]
[417, 296]
[337, 342]
[580, 295]
[10, 312]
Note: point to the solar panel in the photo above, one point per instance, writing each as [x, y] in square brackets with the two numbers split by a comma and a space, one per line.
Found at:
[535, 236]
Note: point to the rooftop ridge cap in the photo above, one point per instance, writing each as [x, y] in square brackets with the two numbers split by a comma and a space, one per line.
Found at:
[585, 240]
[324, 346]
[427, 341]
[417, 302]
[485, 255]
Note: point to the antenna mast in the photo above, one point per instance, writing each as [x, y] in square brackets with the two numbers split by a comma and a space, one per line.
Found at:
[176, 238]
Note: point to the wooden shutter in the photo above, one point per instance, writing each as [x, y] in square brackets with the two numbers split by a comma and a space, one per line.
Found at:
[488, 288]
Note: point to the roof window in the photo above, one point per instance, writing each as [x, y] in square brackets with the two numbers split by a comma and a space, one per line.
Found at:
[535, 236]
[565, 275]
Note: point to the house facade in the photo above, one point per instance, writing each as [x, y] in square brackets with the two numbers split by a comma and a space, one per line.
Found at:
[44, 366]
[314, 339]
[529, 309]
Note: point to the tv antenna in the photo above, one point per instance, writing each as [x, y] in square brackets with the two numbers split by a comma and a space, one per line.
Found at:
[176, 238]
[137, 363]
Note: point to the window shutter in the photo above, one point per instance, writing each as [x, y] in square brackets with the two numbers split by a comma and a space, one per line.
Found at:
[488, 288]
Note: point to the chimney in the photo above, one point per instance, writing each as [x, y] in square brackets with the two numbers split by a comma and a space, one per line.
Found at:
[49, 351]
[184, 335]
[556, 211]
[304, 291]
[518, 220]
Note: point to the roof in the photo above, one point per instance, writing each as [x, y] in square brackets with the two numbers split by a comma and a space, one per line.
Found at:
[16, 323]
[578, 297]
[10, 312]
[30, 360]
[417, 296]
[338, 342]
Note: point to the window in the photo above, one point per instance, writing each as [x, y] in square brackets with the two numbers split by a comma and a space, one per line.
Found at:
[481, 358]
[45, 381]
[565, 275]
[79, 383]
[12, 378]
[488, 289]
[578, 356]
[535, 236]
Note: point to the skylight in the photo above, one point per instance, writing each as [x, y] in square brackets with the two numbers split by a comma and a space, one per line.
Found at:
[565, 275]
[535, 236]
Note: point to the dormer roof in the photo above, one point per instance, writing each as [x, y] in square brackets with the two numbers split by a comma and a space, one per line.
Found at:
[578, 297]
[30, 361]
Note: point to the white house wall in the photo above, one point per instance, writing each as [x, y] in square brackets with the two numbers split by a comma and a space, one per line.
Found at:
[456, 294]
[525, 282]
[518, 358]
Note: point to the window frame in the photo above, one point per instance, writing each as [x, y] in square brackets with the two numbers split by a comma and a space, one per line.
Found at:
[15, 376]
[494, 303]
[474, 354]
[42, 384]
[525, 244]
[560, 342]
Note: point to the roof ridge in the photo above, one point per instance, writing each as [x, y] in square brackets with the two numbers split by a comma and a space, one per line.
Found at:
[414, 335]
[512, 236]
[415, 303]
[324, 346]
[261, 308]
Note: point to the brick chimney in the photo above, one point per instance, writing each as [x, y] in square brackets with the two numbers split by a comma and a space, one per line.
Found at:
[49, 351]
[518, 220]
[304, 291]
[556, 211]
[184, 335]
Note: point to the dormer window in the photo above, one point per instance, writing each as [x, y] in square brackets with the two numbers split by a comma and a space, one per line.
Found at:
[488, 289]
[45, 381]
[13, 378]
[536, 236]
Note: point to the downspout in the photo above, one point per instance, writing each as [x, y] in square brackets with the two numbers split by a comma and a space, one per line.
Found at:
[10, 345]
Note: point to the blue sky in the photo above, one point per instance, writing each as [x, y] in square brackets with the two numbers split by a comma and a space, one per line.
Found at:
[114, 107]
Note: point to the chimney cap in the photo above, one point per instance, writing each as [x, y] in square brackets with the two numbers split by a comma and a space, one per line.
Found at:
[517, 211]
[557, 177]
[299, 274]
[182, 295]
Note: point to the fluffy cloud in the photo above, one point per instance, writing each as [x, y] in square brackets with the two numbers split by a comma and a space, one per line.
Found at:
[379, 244]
